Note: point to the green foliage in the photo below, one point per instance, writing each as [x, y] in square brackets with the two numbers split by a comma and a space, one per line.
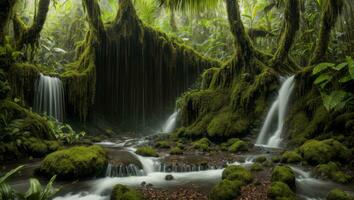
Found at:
[163, 144]
[284, 174]
[147, 151]
[64, 132]
[332, 171]
[75, 163]
[291, 157]
[35, 191]
[202, 144]
[176, 151]
[332, 80]
[238, 146]
[122, 192]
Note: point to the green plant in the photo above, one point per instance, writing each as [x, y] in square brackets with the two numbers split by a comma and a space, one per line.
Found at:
[333, 81]
[64, 132]
[35, 191]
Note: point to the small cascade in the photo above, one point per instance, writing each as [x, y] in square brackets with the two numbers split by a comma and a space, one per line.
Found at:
[149, 164]
[278, 110]
[170, 124]
[49, 97]
[122, 170]
[168, 168]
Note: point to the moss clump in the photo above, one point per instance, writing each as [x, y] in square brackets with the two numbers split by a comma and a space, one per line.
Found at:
[122, 192]
[318, 152]
[291, 157]
[332, 171]
[284, 174]
[337, 194]
[261, 159]
[234, 172]
[147, 151]
[75, 162]
[202, 144]
[280, 190]
[176, 151]
[38, 148]
[238, 146]
[162, 144]
[256, 167]
[226, 190]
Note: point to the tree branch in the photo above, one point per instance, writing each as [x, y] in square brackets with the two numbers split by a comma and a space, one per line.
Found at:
[330, 13]
[292, 24]
[243, 43]
[94, 18]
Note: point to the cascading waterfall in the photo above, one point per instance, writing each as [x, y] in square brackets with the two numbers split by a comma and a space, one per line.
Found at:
[123, 170]
[49, 97]
[170, 124]
[277, 110]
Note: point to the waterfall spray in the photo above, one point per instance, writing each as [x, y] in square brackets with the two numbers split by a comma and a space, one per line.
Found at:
[49, 97]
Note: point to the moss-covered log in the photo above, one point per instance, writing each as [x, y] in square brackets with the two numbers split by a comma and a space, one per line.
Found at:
[330, 13]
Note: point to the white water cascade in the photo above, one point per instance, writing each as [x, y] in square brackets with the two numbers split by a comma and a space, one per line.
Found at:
[49, 97]
[278, 110]
[170, 124]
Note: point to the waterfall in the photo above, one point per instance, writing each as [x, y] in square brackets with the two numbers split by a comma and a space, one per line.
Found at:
[170, 124]
[122, 170]
[49, 97]
[278, 110]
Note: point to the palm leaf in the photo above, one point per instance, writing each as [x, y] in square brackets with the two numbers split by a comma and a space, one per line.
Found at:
[8, 174]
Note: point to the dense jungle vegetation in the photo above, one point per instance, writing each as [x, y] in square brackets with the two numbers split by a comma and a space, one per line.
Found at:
[176, 99]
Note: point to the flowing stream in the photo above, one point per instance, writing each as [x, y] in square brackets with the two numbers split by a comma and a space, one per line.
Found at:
[49, 97]
[277, 111]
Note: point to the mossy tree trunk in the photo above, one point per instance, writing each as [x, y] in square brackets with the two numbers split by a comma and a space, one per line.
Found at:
[5, 14]
[330, 13]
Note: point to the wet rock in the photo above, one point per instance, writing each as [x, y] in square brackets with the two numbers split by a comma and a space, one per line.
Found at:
[169, 177]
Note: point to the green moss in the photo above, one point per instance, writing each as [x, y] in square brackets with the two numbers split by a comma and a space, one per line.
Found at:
[238, 146]
[75, 162]
[280, 190]
[147, 151]
[291, 157]
[284, 174]
[337, 194]
[122, 192]
[176, 151]
[226, 190]
[332, 171]
[202, 144]
[316, 152]
[234, 172]
[261, 159]
[163, 144]
[256, 167]
[341, 177]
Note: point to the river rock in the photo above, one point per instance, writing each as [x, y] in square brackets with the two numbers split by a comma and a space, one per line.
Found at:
[169, 177]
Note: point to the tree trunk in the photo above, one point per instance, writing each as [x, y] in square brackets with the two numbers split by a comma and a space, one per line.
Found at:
[94, 18]
[173, 20]
[5, 14]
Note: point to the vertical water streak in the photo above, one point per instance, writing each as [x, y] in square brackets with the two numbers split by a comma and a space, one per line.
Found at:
[170, 124]
[49, 97]
[278, 110]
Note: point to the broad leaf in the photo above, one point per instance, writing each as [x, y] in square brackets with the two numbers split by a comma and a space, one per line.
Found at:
[350, 66]
[340, 66]
[322, 66]
[34, 190]
[336, 100]
[323, 79]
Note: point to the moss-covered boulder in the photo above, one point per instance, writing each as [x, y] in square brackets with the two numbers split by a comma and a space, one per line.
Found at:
[162, 144]
[235, 172]
[176, 151]
[122, 192]
[226, 190]
[260, 159]
[38, 148]
[337, 194]
[202, 144]
[318, 152]
[238, 146]
[332, 171]
[256, 167]
[74, 163]
[291, 157]
[147, 151]
[284, 174]
[280, 191]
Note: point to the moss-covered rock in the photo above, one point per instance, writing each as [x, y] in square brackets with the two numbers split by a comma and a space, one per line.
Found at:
[162, 144]
[235, 172]
[202, 144]
[260, 159]
[256, 167]
[226, 190]
[176, 151]
[122, 192]
[318, 152]
[147, 151]
[284, 174]
[75, 162]
[238, 146]
[38, 148]
[337, 194]
[291, 157]
[280, 190]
